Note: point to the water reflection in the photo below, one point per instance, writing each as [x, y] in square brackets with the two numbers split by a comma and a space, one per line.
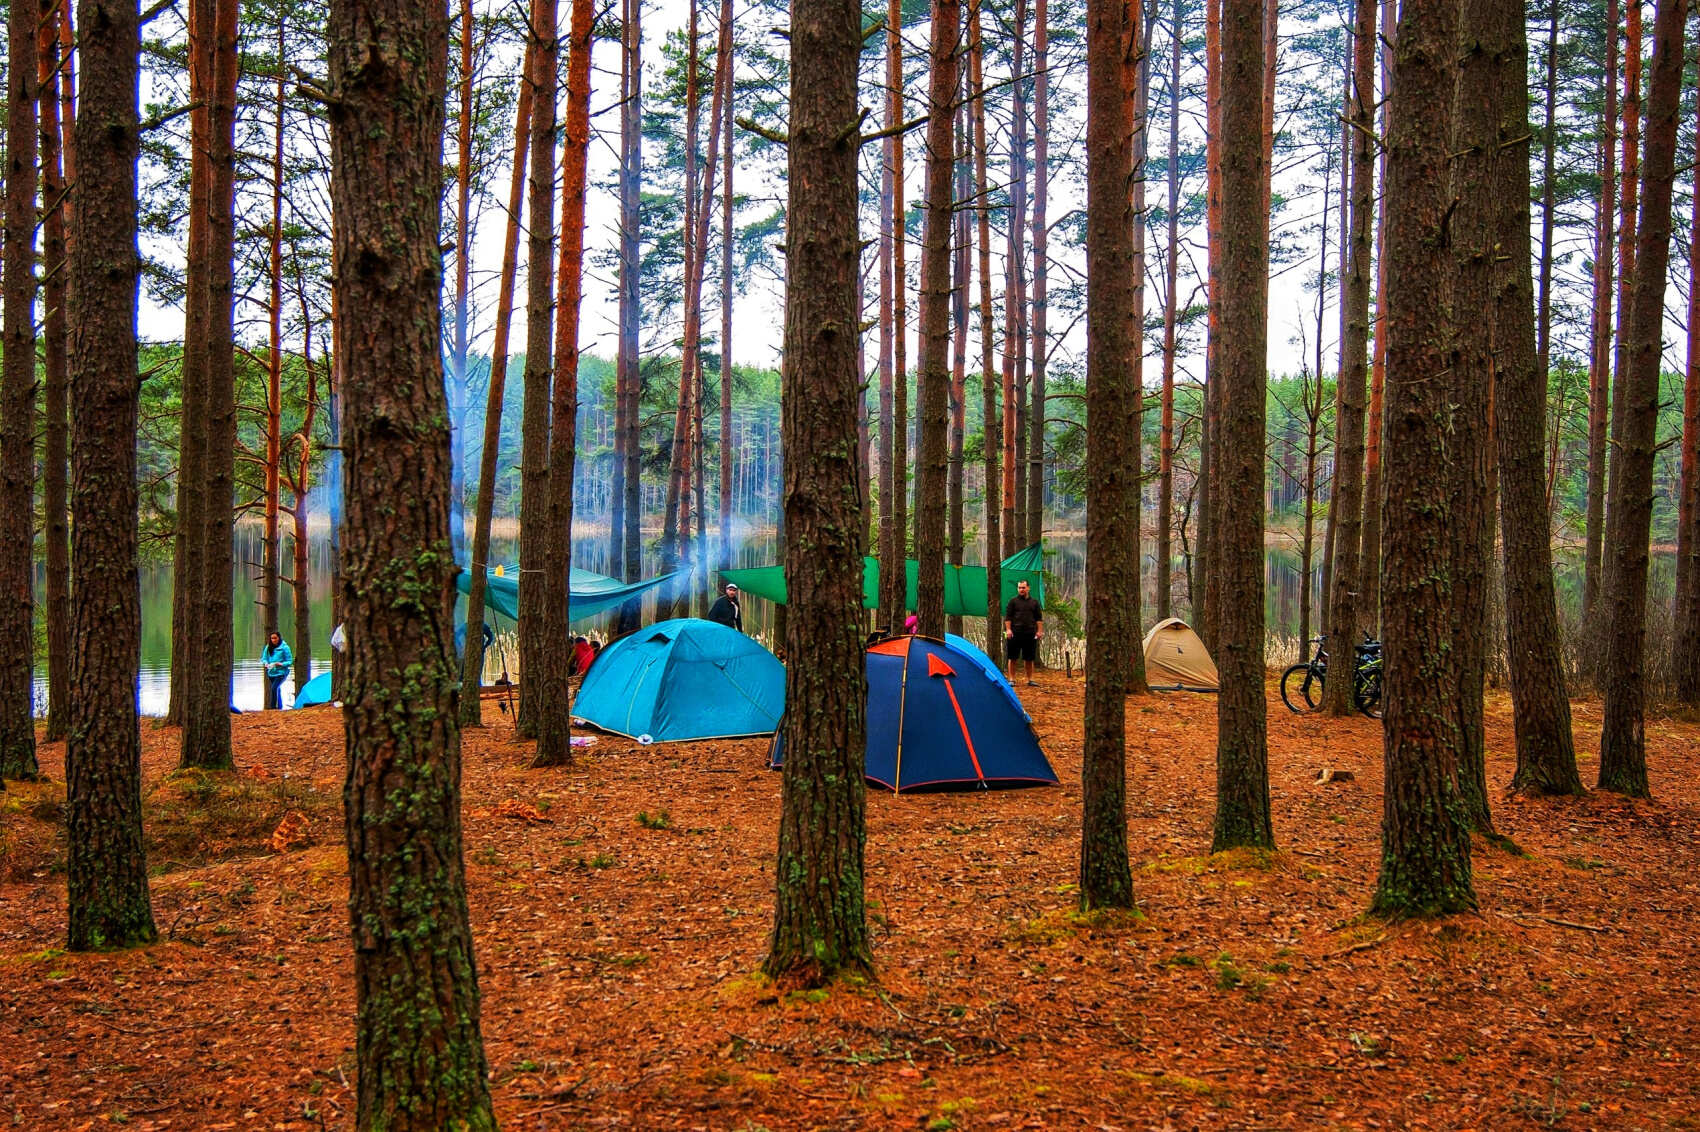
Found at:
[1066, 562]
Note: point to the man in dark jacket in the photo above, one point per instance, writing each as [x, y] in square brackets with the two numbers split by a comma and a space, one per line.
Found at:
[1023, 625]
[726, 610]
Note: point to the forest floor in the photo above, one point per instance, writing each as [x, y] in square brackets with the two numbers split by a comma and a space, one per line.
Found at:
[621, 909]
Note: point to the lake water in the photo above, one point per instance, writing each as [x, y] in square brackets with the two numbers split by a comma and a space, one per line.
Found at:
[1066, 561]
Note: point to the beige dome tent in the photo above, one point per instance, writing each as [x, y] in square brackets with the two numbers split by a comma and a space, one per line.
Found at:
[1176, 660]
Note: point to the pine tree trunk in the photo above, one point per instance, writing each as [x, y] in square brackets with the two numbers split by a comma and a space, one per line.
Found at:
[1425, 832]
[534, 588]
[418, 1050]
[17, 404]
[1599, 355]
[1015, 300]
[1346, 616]
[106, 866]
[302, 487]
[1546, 754]
[272, 552]
[961, 266]
[1035, 524]
[899, 443]
[188, 557]
[990, 427]
[1623, 753]
[1171, 310]
[889, 613]
[472, 663]
[1474, 233]
[206, 719]
[1209, 595]
[631, 137]
[554, 721]
[1626, 210]
[727, 447]
[1242, 756]
[624, 371]
[1543, 320]
[1112, 477]
[1369, 561]
[820, 927]
[465, 223]
[1685, 642]
[934, 369]
[55, 341]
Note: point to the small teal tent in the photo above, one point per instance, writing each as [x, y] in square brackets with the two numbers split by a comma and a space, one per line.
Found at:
[684, 679]
[315, 691]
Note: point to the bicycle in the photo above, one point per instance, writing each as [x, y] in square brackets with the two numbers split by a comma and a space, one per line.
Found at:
[1302, 684]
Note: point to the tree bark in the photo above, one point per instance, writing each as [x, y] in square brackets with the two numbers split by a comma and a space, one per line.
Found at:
[1242, 753]
[961, 269]
[990, 427]
[465, 223]
[1626, 210]
[1345, 617]
[1035, 524]
[272, 543]
[894, 427]
[187, 567]
[1210, 592]
[727, 448]
[206, 719]
[1015, 301]
[1483, 66]
[1685, 643]
[418, 1049]
[472, 663]
[631, 312]
[1369, 562]
[1546, 754]
[1623, 752]
[930, 515]
[534, 565]
[56, 345]
[1171, 312]
[17, 404]
[554, 730]
[1599, 355]
[106, 866]
[1549, 151]
[1112, 476]
[820, 927]
[1425, 832]
[891, 537]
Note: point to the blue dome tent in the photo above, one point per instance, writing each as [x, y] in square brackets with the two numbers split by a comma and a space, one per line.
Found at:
[684, 679]
[315, 691]
[992, 672]
[937, 721]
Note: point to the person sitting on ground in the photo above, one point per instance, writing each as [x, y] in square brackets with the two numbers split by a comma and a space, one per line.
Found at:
[1023, 626]
[912, 623]
[583, 654]
[726, 610]
[277, 660]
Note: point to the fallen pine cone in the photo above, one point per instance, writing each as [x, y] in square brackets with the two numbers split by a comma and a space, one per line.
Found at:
[291, 833]
[524, 811]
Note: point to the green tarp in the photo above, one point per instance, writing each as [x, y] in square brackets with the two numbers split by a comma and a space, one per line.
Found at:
[964, 586]
[589, 593]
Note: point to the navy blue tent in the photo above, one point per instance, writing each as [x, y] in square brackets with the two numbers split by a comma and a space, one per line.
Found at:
[935, 722]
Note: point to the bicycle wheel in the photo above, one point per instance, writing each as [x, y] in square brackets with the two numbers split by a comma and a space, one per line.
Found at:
[1367, 695]
[1301, 688]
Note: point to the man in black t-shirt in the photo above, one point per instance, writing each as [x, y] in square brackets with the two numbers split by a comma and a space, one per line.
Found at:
[1023, 625]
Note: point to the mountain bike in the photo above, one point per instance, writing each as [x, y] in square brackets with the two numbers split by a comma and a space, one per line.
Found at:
[1302, 684]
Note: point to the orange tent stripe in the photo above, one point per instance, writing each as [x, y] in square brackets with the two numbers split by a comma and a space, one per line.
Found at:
[966, 738]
